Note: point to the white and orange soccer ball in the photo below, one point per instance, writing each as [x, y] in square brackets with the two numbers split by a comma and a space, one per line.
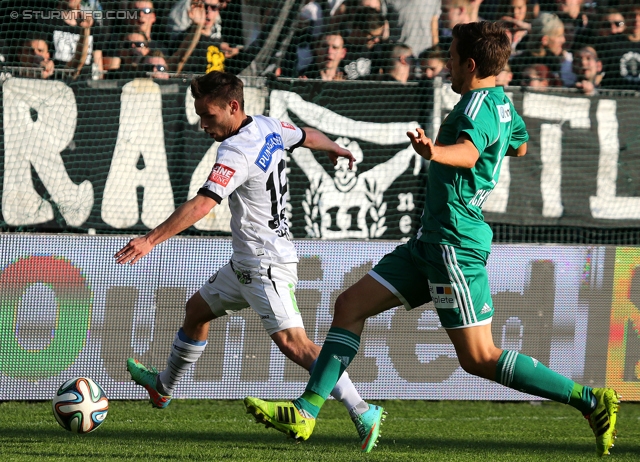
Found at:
[80, 405]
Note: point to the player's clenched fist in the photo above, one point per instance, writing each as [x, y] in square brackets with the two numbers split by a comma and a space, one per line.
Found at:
[421, 143]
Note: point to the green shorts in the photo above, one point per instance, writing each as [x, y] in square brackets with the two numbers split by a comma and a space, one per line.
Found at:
[454, 279]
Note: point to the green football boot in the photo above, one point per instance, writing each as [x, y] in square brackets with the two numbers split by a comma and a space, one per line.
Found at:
[148, 378]
[281, 415]
[603, 419]
[368, 426]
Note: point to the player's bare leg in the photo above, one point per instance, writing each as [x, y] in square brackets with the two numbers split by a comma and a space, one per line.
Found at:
[197, 317]
[476, 351]
[296, 346]
[366, 298]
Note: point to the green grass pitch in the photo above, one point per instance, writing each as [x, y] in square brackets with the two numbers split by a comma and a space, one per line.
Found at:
[207, 430]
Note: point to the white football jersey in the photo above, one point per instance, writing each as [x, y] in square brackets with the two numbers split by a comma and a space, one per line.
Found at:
[250, 171]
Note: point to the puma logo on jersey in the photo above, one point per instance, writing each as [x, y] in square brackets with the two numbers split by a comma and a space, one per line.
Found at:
[272, 144]
[287, 125]
[221, 174]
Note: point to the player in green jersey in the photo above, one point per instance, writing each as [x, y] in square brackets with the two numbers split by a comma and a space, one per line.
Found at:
[449, 255]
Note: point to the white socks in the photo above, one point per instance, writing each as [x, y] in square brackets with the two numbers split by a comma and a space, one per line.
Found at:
[184, 352]
[346, 393]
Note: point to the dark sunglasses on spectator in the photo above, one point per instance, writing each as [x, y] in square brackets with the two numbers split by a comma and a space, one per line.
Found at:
[145, 10]
[138, 44]
[372, 37]
[159, 68]
[212, 7]
[616, 23]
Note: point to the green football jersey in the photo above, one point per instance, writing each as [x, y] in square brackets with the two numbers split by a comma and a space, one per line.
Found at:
[453, 205]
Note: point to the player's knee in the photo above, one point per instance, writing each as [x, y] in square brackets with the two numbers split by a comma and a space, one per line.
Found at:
[345, 307]
[197, 312]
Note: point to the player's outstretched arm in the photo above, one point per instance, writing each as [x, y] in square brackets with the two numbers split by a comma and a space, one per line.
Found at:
[318, 141]
[462, 154]
[183, 217]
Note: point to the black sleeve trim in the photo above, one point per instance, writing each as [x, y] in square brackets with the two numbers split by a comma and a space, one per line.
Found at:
[210, 194]
[299, 143]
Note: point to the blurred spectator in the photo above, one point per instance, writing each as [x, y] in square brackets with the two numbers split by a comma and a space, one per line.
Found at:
[362, 58]
[242, 24]
[203, 48]
[253, 15]
[133, 48]
[329, 53]
[398, 63]
[145, 19]
[418, 21]
[588, 69]
[74, 45]
[309, 25]
[453, 12]
[545, 46]
[5, 73]
[536, 76]
[156, 64]
[181, 20]
[621, 54]
[517, 19]
[633, 23]
[392, 27]
[433, 63]
[474, 10]
[576, 24]
[542, 6]
[35, 60]
[612, 23]
[504, 78]
[337, 11]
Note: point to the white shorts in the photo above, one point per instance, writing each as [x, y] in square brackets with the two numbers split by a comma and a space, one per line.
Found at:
[269, 290]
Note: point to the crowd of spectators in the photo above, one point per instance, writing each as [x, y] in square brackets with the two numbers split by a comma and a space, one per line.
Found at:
[555, 43]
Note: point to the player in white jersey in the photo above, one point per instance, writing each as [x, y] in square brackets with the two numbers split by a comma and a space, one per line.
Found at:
[250, 173]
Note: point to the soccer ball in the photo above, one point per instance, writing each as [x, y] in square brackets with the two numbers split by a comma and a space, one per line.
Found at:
[80, 405]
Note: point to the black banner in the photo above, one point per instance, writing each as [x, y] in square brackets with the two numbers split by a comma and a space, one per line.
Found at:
[120, 156]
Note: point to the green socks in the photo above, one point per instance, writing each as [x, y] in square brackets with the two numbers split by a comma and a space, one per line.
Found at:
[514, 370]
[582, 399]
[339, 349]
[526, 374]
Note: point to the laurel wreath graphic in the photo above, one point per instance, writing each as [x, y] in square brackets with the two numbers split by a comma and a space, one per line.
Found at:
[312, 216]
[377, 209]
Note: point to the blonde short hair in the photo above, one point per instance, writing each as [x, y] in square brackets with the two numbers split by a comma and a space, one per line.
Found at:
[544, 25]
